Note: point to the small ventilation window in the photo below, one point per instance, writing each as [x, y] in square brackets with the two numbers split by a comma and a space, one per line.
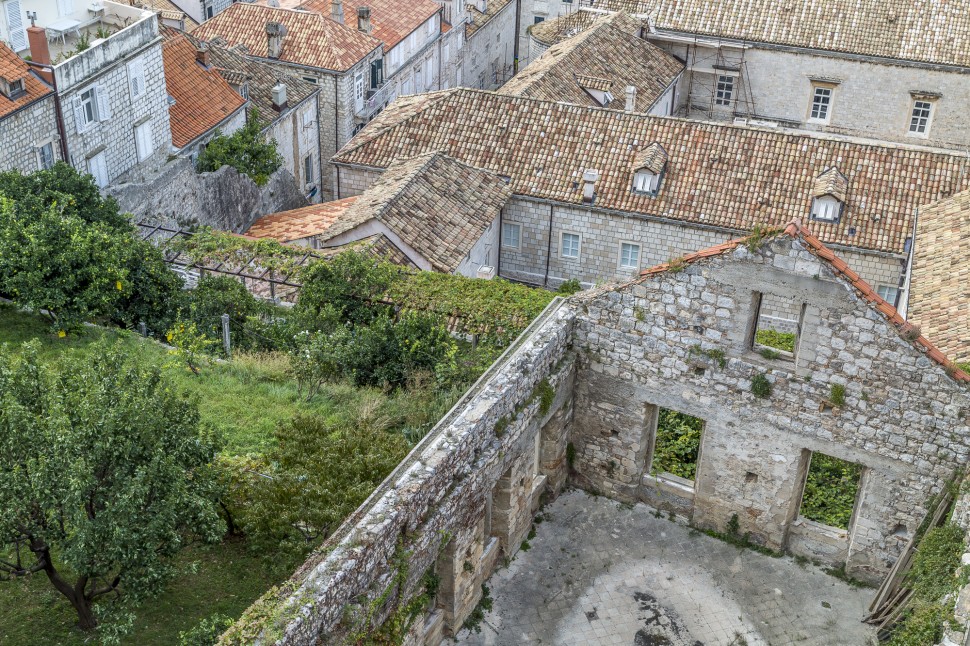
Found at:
[826, 209]
[646, 182]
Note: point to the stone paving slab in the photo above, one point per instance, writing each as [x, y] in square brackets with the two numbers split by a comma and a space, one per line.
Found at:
[599, 573]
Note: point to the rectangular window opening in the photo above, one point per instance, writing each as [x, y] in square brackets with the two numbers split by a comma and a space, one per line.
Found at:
[776, 326]
[724, 94]
[570, 245]
[629, 255]
[676, 445]
[511, 235]
[919, 123]
[889, 293]
[821, 103]
[831, 489]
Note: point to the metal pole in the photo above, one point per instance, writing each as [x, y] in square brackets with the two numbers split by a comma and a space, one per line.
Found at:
[225, 333]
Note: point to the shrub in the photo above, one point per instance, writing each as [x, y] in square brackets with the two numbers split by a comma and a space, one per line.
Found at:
[569, 287]
[760, 386]
[837, 394]
[677, 444]
[246, 150]
[152, 292]
[207, 632]
[775, 339]
[344, 289]
[830, 490]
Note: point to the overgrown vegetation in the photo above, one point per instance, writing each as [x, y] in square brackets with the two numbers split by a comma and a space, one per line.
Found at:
[475, 618]
[677, 444]
[246, 150]
[830, 490]
[569, 287]
[760, 386]
[774, 339]
[837, 394]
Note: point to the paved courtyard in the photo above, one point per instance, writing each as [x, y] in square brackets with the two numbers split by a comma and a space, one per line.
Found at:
[601, 573]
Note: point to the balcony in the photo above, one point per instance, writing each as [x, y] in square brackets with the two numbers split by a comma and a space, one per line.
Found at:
[375, 100]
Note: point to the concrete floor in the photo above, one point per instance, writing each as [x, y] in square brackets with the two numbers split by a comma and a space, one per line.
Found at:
[601, 573]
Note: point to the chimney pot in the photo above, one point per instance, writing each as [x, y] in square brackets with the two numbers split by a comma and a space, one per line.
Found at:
[337, 11]
[279, 97]
[363, 19]
[631, 98]
[590, 176]
[202, 54]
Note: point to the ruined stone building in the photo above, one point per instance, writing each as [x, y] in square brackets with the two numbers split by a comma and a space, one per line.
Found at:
[605, 66]
[895, 71]
[602, 193]
[577, 396]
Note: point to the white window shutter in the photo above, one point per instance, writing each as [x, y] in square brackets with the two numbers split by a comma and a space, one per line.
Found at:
[136, 76]
[104, 105]
[79, 124]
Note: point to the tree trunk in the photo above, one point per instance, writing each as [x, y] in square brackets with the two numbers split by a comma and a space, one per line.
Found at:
[85, 614]
[82, 605]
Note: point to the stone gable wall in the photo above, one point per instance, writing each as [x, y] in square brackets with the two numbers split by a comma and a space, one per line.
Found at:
[641, 347]
[23, 132]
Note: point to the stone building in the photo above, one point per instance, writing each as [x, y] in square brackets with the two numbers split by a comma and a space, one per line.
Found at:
[577, 396]
[895, 72]
[28, 117]
[112, 95]
[287, 106]
[605, 66]
[430, 212]
[199, 11]
[490, 55]
[329, 54]
[603, 193]
[202, 103]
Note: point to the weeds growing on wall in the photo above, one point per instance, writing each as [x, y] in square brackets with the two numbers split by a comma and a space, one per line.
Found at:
[677, 444]
[760, 386]
[830, 490]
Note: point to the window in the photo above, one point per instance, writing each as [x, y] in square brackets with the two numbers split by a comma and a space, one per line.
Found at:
[310, 79]
[45, 155]
[889, 293]
[136, 78]
[826, 209]
[537, 20]
[724, 93]
[376, 74]
[90, 106]
[406, 87]
[98, 168]
[428, 73]
[144, 145]
[919, 123]
[208, 12]
[629, 255]
[359, 92]
[65, 8]
[777, 320]
[821, 103]
[646, 182]
[308, 169]
[831, 490]
[511, 235]
[569, 245]
[676, 444]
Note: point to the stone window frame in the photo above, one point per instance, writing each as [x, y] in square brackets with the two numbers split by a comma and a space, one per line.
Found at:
[619, 255]
[921, 101]
[679, 484]
[579, 245]
[754, 348]
[795, 515]
[823, 200]
[518, 237]
[826, 90]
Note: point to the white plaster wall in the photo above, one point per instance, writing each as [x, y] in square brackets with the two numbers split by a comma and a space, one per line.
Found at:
[484, 252]
[294, 142]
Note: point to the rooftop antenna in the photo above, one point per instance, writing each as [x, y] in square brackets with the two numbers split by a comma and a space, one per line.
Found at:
[32, 17]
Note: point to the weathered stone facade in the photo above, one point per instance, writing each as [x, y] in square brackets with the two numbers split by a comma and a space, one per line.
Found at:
[488, 59]
[644, 346]
[24, 132]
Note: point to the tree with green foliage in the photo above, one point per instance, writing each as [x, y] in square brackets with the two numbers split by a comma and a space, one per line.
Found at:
[58, 263]
[246, 150]
[346, 288]
[677, 445]
[104, 477]
[830, 490]
[151, 293]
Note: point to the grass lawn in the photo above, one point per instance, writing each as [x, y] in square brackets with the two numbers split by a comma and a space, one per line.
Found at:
[244, 399]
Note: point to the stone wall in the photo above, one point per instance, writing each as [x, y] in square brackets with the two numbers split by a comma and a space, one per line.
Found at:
[643, 346]
[173, 194]
[489, 52]
[463, 499]
[24, 132]
[294, 142]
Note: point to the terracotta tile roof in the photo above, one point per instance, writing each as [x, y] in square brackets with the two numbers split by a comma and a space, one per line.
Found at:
[939, 298]
[392, 20]
[607, 57]
[720, 175]
[301, 223]
[203, 99]
[795, 230]
[437, 205]
[311, 39]
[478, 19]
[931, 31]
[653, 158]
[260, 77]
[557, 30]
[831, 182]
[12, 68]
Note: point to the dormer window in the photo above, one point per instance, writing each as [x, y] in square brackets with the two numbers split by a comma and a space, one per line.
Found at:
[597, 88]
[12, 89]
[648, 169]
[828, 196]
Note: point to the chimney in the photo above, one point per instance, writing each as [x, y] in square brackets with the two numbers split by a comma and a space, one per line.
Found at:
[275, 32]
[363, 19]
[202, 54]
[337, 11]
[279, 97]
[39, 51]
[631, 98]
[589, 181]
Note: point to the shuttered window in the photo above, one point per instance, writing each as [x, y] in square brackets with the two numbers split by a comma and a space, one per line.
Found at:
[144, 145]
[136, 78]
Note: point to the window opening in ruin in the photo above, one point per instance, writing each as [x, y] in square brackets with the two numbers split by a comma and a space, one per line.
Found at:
[831, 489]
[677, 444]
[777, 322]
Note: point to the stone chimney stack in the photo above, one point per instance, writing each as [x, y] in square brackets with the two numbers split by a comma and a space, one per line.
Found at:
[337, 11]
[275, 33]
[589, 185]
[39, 51]
[363, 19]
[202, 54]
[631, 98]
[279, 97]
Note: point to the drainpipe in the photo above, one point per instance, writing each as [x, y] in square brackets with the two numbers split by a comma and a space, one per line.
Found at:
[336, 124]
[337, 191]
[515, 50]
[545, 281]
[498, 255]
[903, 307]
